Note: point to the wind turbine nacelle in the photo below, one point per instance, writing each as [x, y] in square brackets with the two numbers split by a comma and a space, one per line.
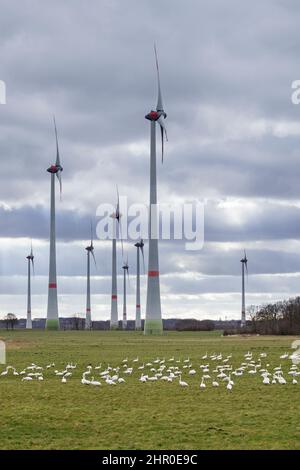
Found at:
[155, 115]
[139, 244]
[54, 169]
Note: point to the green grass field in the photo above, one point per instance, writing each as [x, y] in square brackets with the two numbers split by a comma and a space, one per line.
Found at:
[153, 415]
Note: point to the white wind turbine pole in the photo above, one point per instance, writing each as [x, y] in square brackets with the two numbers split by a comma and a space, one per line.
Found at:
[90, 251]
[114, 318]
[244, 262]
[52, 322]
[153, 320]
[140, 246]
[125, 268]
[30, 262]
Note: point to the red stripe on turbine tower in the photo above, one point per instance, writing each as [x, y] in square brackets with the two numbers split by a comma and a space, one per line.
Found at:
[153, 273]
[114, 297]
[52, 285]
[138, 306]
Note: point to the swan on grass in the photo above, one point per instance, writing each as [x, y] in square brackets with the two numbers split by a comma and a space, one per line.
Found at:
[202, 384]
[182, 383]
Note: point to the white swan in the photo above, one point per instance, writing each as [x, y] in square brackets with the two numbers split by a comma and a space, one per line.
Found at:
[182, 383]
[95, 382]
[202, 384]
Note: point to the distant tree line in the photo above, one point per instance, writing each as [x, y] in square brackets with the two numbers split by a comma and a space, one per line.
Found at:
[77, 322]
[279, 318]
[190, 325]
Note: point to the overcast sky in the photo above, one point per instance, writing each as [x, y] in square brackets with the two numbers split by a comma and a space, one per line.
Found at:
[234, 142]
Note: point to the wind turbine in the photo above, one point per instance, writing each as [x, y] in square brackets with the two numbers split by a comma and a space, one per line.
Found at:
[90, 251]
[30, 258]
[116, 216]
[244, 262]
[153, 320]
[125, 268]
[140, 246]
[52, 322]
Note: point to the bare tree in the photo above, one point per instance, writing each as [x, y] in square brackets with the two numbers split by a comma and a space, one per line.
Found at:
[78, 322]
[279, 318]
[10, 320]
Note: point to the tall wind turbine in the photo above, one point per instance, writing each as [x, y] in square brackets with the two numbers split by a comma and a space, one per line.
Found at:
[52, 322]
[140, 246]
[153, 320]
[125, 268]
[114, 319]
[244, 262]
[30, 263]
[90, 251]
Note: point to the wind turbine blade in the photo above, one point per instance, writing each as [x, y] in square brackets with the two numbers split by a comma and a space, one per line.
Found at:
[142, 251]
[91, 234]
[58, 174]
[161, 121]
[118, 202]
[128, 275]
[159, 106]
[121, 236]
[162, 144]
[94, 258]
[31, 258]
[57, 148]
[118, 217]
[163, 133]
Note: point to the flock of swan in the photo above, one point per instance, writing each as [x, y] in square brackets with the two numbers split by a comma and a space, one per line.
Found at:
[214, 370]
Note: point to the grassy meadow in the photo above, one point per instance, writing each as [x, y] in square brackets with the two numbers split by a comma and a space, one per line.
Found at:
[152, 415]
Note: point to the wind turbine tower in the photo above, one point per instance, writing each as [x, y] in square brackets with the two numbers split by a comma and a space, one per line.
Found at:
[114, 319]
[140, 246]
[125, 277]
[30, 263]
[52, 322]
[153, 320]
[244, 262]
[90, 251]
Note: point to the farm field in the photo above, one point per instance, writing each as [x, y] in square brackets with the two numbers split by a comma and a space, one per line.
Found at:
[50, 414]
